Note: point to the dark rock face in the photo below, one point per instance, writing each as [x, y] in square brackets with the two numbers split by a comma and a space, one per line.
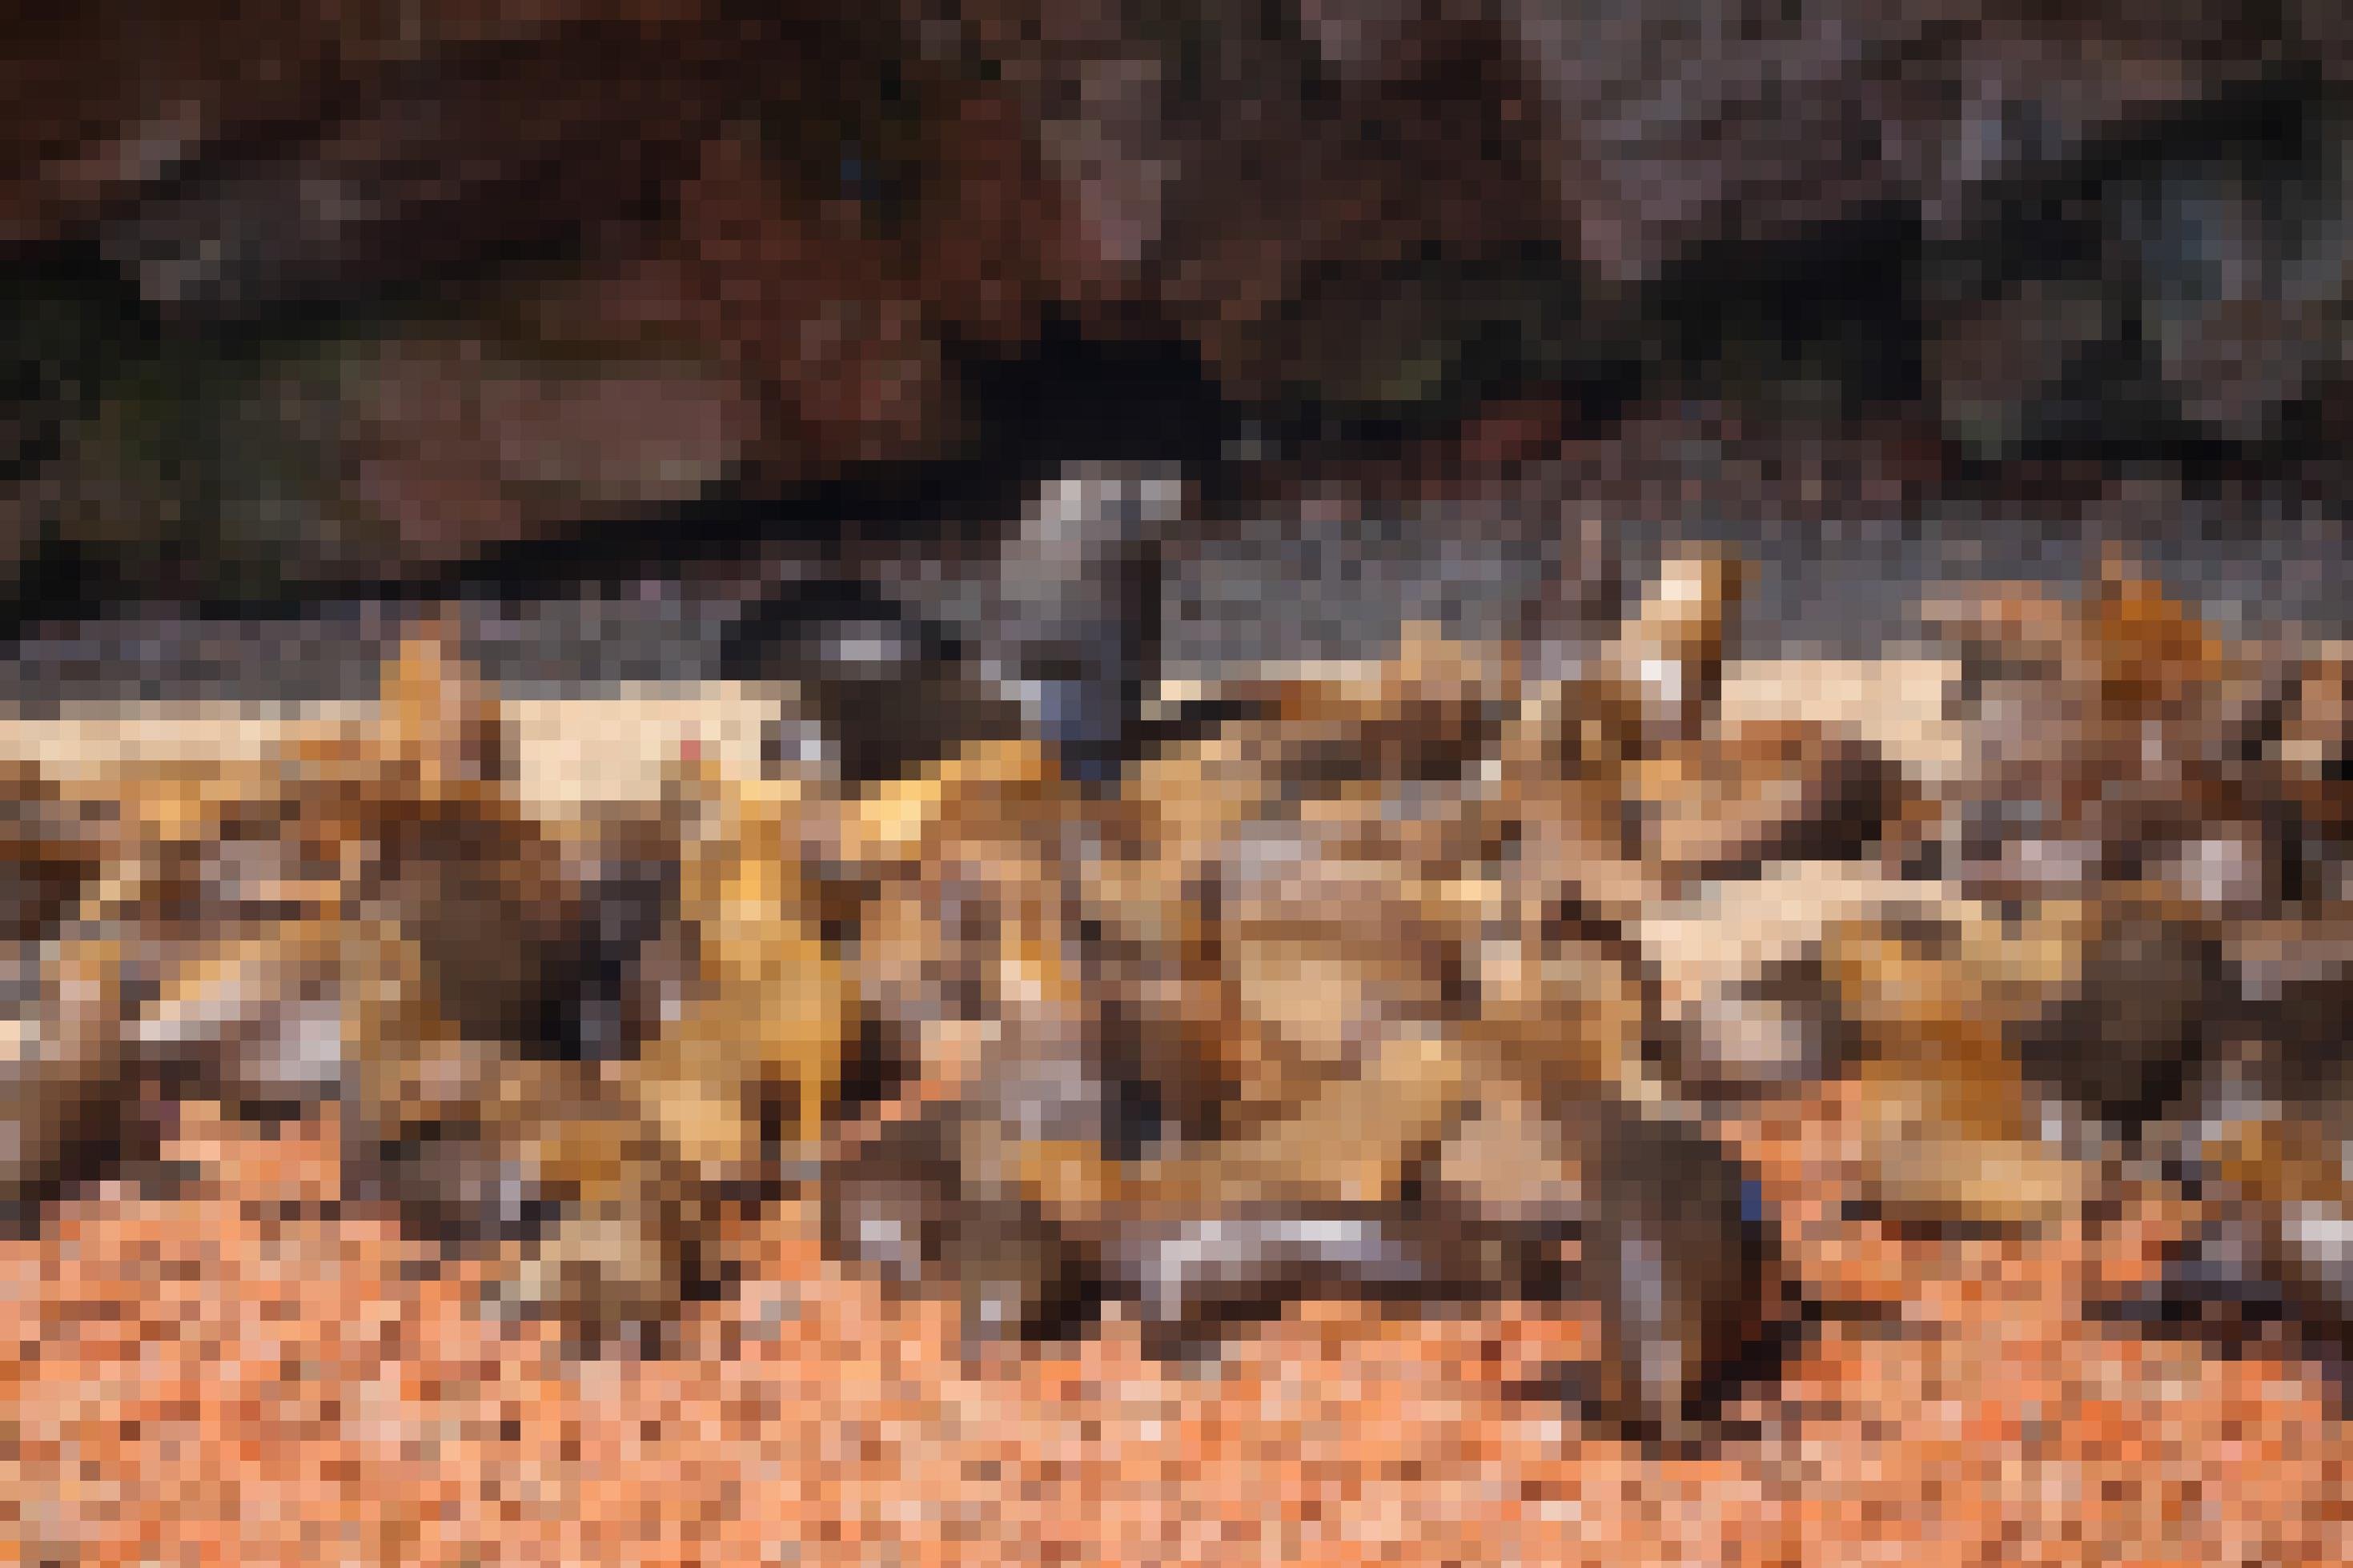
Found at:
[359, 303]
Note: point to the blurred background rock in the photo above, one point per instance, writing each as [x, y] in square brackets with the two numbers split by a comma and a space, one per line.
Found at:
[676, 297]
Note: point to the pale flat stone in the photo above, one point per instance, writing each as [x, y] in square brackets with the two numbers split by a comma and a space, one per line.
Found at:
[569, 753]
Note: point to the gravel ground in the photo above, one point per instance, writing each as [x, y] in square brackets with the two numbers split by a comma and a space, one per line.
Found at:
[1277, 589]
[236, 1374]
